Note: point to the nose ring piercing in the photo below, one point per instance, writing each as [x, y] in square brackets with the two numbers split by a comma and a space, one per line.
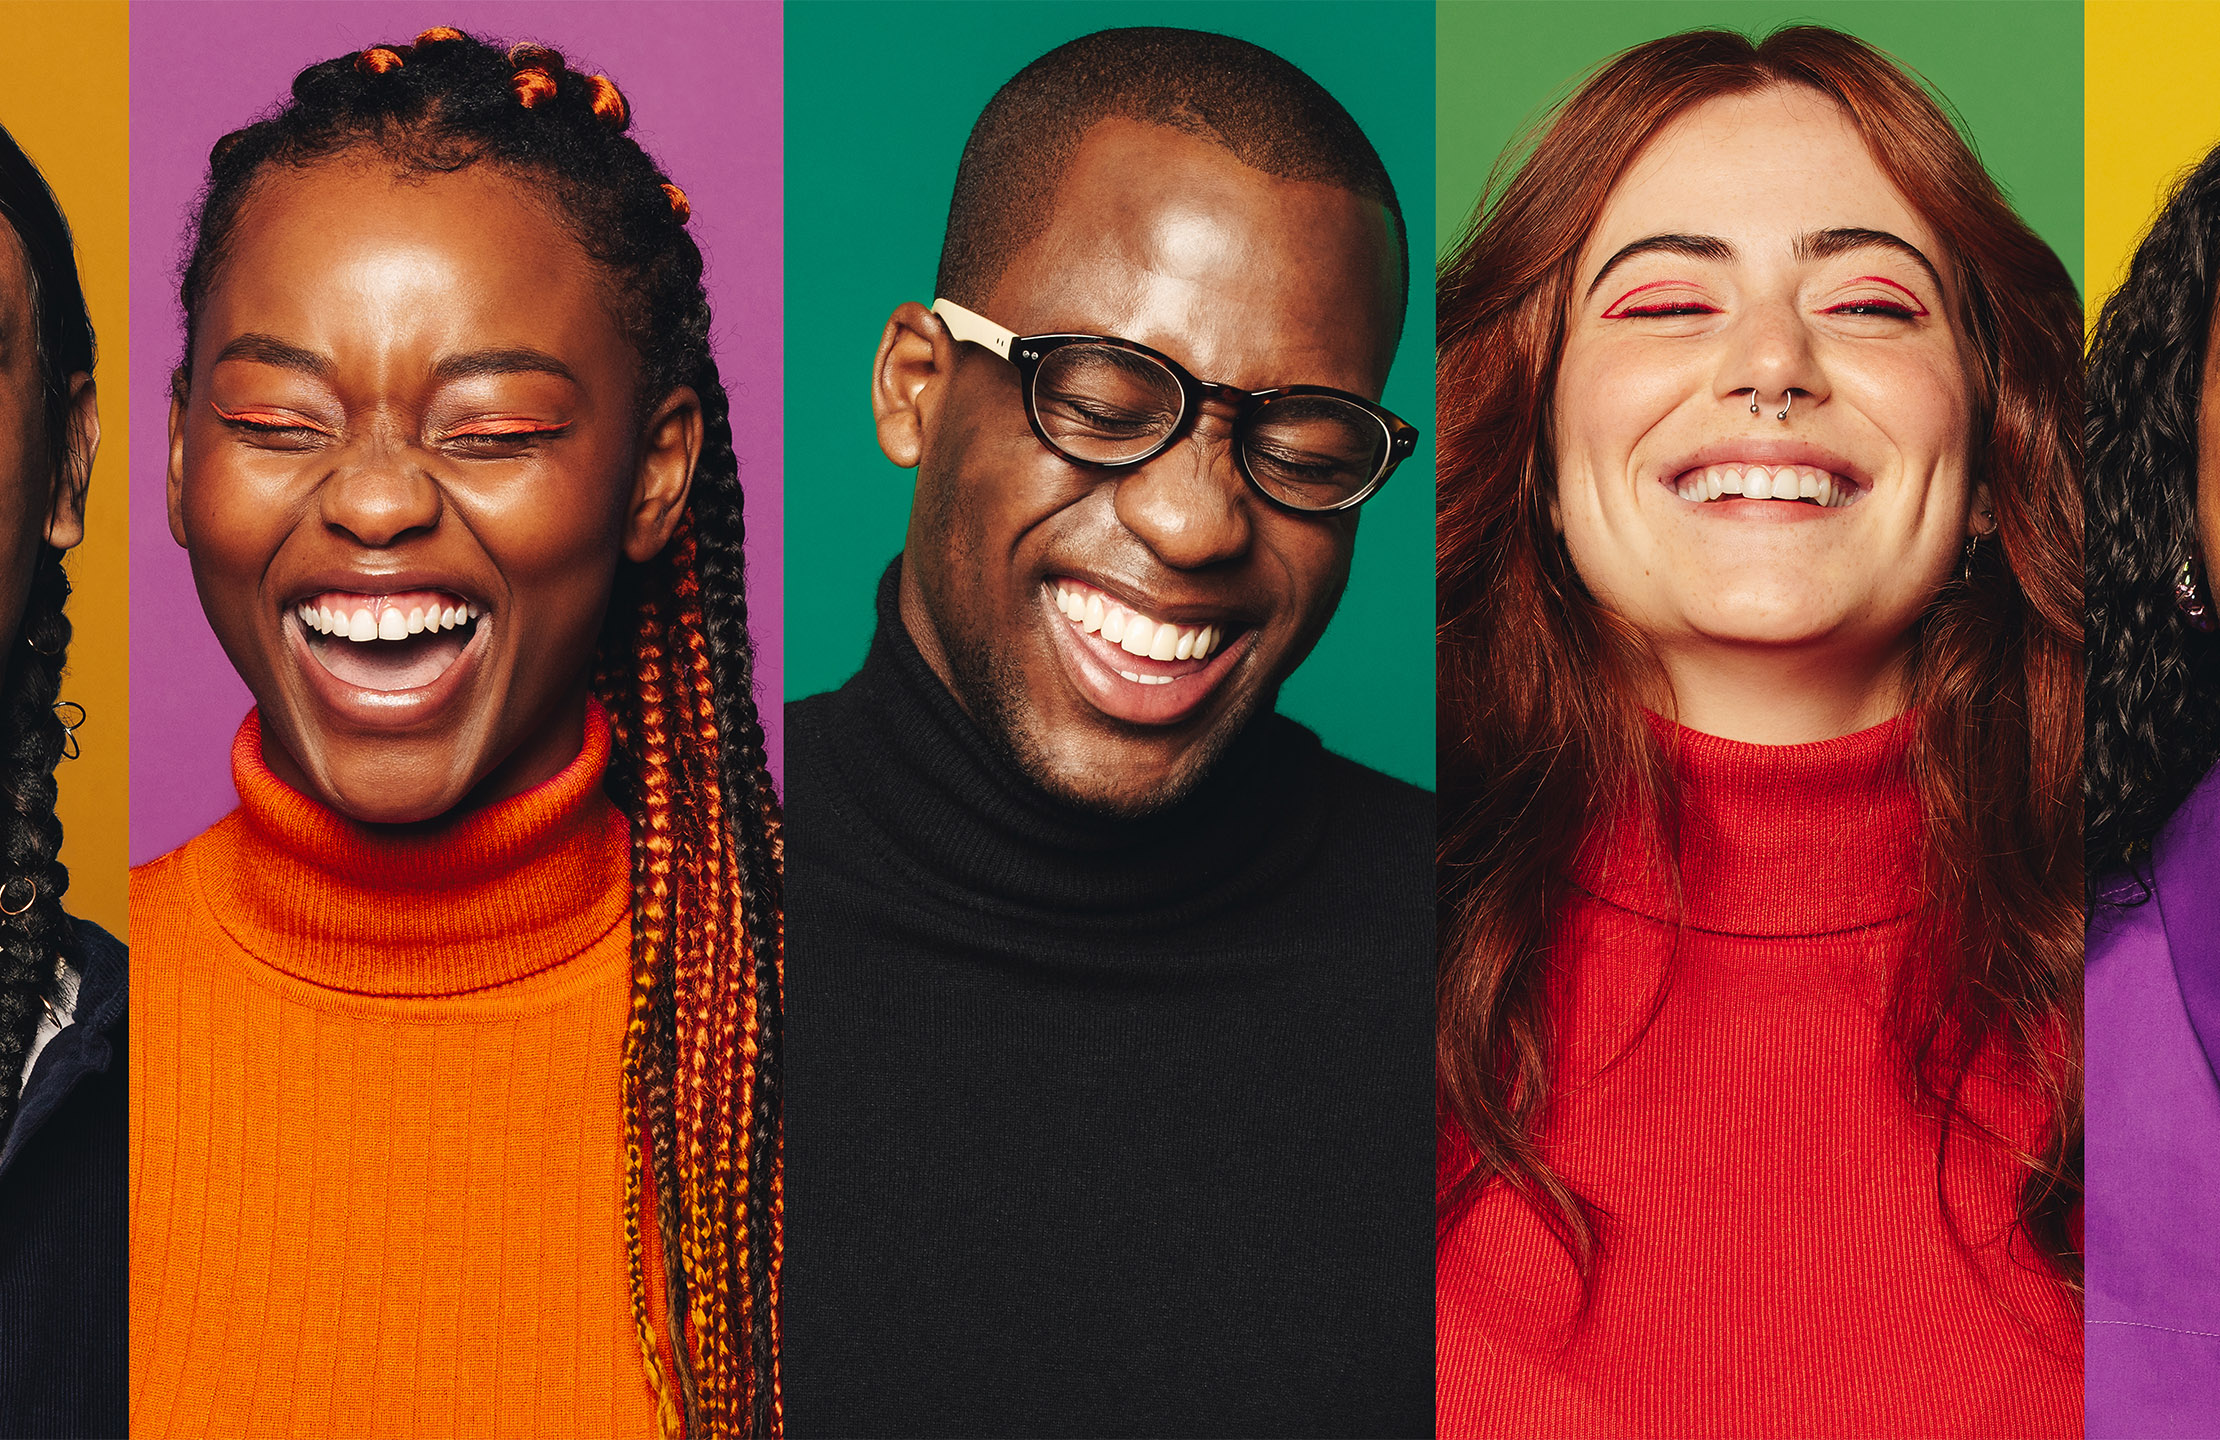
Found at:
[1788, 398]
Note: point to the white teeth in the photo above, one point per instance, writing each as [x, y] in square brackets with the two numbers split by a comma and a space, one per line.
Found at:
[362, 627]
[1135, 633]
[416, 621]
[1761, 482]
[391, 626]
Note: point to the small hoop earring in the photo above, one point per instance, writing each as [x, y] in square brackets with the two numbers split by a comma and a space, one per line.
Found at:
[2190, 600]
[9, 889]
[69, 726]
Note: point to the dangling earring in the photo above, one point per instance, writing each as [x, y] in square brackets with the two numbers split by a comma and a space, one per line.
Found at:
[69, 726]
[1965, 569]
[2189, 598]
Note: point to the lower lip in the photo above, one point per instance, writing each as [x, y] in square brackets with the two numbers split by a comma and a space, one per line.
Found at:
[1093, 664]
[1762, 512]
[392, 710]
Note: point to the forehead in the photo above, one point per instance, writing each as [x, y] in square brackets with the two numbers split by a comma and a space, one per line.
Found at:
[1166, 238]
[353, 240]
[18, 326]
[1756, 170]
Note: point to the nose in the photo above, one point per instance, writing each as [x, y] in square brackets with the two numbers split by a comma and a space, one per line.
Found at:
[1772, 362]
[1189, 505]
[380, 496]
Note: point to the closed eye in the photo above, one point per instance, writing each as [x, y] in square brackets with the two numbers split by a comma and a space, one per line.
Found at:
[275, 424]
[501, 436]
[1889, 308]
[1670, 307]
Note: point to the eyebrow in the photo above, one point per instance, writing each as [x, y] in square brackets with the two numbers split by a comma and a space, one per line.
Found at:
[1811, 245]
[1696, 247]
[517, 361]
[269, 350]
[1826, 244]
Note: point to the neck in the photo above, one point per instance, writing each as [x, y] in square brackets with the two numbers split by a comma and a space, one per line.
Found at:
[1783, 695]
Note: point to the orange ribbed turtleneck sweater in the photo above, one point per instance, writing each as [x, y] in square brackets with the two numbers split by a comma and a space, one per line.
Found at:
[1775, 1261]
[376, 1137]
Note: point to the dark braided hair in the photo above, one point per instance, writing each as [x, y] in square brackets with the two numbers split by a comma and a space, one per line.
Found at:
[675, 671]
[2154, 681]
[32, 739]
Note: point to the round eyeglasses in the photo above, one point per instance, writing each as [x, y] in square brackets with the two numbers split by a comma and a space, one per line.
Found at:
[1110, 404]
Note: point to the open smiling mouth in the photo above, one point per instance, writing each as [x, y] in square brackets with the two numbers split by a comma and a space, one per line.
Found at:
[1174, 649]
[1807, 484]
[1137, 668]
[394, 642]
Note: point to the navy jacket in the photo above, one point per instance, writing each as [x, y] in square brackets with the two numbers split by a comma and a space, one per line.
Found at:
[64, 1257]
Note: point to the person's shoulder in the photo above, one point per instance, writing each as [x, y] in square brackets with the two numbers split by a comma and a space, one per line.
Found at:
[1372, 815]
[163, 889]
[1367, 796]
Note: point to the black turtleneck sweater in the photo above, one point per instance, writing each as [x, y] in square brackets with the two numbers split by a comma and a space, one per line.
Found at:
[1100, 1127]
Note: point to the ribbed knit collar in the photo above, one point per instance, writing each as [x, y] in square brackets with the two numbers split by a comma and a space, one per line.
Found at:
[443, 908]
[962, 820]
[1774, 840]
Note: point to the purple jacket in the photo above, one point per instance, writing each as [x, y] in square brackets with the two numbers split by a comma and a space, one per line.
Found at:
[2153, 1214]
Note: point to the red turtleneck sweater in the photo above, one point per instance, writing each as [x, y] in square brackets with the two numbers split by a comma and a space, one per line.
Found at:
[377, 1159]
[1775, 1260]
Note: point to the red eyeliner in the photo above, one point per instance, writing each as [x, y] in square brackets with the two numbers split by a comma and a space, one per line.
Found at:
[1884, 280]
[1618, 306]
[505, 429]
[269, 418]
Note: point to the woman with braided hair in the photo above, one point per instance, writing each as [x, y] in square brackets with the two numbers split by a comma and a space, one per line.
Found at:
[62, 1294]
[458, 1048]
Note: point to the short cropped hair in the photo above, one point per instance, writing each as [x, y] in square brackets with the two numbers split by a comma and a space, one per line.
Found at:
[1269, 115]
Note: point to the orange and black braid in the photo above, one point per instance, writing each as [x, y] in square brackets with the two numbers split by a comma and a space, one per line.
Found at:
[694, 1046]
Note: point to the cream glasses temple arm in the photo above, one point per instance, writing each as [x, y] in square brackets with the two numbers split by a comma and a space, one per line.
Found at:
[977, 329]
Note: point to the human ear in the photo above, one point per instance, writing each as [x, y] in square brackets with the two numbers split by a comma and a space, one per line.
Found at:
[1981, 519]
[670, 446]
[176, 485]
[916, 357]
[65, 505]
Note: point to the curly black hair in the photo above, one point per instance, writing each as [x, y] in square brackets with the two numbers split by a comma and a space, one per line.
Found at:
[2153, 693]
[32, 738]
[675, 670]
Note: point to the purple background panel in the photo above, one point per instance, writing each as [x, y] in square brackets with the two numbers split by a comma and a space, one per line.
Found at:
[704, 78]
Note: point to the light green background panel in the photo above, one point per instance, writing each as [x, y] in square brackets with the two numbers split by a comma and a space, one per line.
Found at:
[879, 100]
[2009, 69]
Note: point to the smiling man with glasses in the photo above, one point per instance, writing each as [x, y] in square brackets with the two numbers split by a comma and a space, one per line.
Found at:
[1109, 1095]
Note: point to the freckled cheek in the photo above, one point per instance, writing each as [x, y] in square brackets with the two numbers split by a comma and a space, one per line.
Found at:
[1923, 404]
[1608, 398]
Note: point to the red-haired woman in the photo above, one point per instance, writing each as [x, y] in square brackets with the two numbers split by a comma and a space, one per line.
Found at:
[454, 1045]
[1760, 582]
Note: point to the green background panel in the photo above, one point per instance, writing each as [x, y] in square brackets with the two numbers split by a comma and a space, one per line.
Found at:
[879, 100]
[2011, 70]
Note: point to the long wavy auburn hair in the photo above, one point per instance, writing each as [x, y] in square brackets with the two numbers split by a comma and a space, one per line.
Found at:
[1541, 690]
[704, 1189]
